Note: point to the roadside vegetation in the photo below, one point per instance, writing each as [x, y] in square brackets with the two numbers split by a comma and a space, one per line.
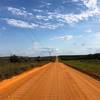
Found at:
[13, 65]
[89, 64]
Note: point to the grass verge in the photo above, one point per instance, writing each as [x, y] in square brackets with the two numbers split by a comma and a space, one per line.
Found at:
[90, 67]
[9, 69]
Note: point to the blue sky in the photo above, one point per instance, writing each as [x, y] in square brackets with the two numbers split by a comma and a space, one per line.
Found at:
[40, 27]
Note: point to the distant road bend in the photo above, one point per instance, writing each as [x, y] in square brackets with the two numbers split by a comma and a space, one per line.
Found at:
[53, 81]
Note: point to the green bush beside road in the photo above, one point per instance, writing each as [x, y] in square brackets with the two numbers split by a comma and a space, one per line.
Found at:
[92, 66]
[10, 66]
[89, 64]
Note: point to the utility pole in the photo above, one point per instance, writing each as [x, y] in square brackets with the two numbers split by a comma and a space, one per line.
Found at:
[49, 53]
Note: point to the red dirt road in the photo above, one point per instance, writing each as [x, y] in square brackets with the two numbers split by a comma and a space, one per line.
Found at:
[54, 81]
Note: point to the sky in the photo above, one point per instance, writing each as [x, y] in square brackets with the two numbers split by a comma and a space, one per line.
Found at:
[49, 27]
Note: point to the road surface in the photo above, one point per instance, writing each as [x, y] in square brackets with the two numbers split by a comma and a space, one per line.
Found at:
[53, 81]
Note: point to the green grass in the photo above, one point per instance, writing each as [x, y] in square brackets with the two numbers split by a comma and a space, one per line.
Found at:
[9, 69]
[92, 66]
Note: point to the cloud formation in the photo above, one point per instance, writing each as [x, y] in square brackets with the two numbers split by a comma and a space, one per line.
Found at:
[19, 12]
[46, 19]
[27, 25]
[63, 37]
[20, 23]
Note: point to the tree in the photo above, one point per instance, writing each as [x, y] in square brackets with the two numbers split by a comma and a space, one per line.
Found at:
[38, 59]
[14, 58]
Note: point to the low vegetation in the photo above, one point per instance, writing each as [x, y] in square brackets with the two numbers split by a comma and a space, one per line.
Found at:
[85, 63]
[10, 66]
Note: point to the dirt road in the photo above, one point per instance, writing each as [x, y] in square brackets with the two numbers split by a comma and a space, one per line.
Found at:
[54, 81]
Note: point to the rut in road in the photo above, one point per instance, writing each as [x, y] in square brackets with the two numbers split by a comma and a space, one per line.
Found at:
[54, 81]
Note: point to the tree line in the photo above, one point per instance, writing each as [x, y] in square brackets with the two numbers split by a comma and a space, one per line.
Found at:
[13, 65]
[79, 57]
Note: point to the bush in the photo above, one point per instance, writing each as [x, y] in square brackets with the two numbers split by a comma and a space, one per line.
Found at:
[14, 59]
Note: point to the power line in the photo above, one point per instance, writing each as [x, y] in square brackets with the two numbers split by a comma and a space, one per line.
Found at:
[34, 38]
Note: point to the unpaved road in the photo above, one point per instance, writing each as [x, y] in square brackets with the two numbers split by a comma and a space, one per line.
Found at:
[54, 81]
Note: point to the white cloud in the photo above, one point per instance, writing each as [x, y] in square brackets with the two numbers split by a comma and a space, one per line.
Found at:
[20, 23]
[75, 18]
[50, 50]
[92, 10]
[19, 12]
[46, 19]
[88, 30]
[63, 37]
[24, 24]
[40, 17]
[90, 4]
[38, 49]
[46, 3]
[37, 10]
[50, 26]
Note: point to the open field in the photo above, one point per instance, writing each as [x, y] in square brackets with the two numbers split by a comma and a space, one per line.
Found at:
[9, 68]
[92, 66]
[89, 64]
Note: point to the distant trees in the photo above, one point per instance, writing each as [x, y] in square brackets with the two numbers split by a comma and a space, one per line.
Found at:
[13, 65]
[38, 59]
[19, 59]
[78, 57]
[14, 59]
